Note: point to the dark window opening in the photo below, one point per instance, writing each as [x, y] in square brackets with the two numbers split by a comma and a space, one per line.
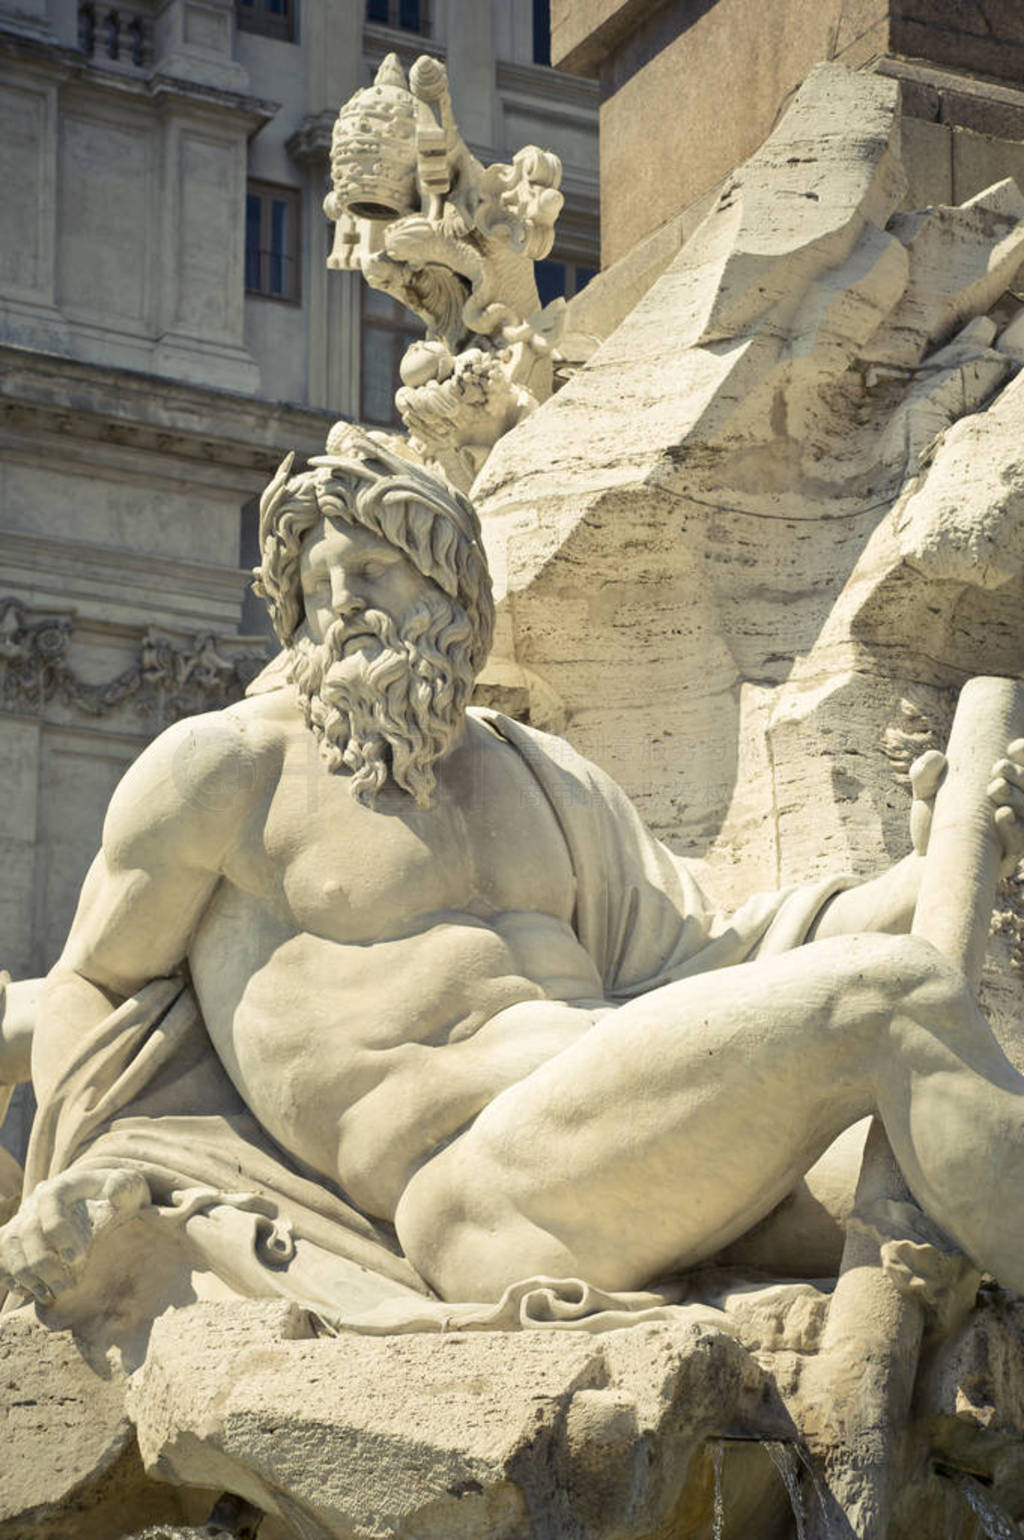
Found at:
[272, 217]
[86, 28]
[255, 618]
[557, 278]
[137, 42]
[268, 18]
[542, 31]
[405, 15]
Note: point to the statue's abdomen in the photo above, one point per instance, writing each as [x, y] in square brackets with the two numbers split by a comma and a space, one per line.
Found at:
[359, 1058]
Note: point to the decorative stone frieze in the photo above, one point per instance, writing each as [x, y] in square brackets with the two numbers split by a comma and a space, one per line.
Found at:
[33, 656]
[173, 676]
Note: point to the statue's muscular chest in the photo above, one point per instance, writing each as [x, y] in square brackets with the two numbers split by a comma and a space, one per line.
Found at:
[352, 873]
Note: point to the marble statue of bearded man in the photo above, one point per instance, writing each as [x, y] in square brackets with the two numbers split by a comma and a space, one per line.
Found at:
[381, 1003]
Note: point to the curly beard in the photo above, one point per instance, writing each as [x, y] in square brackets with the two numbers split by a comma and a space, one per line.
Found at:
[393, 707]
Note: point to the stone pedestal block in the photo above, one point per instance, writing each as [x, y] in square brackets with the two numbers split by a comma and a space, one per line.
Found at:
[663, 145]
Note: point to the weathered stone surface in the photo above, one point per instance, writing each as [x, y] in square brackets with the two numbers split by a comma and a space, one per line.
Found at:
[724, 524]
[961, 261]
[69, 1464]
[544, 1433]
[972, 1396]
[740, 50]
[644, 178]
[535, 1433]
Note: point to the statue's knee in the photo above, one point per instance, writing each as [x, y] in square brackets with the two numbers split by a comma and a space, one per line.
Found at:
[898, 963]
[940, 991]
[464, 1222]
[903, 974]
[440, 1217]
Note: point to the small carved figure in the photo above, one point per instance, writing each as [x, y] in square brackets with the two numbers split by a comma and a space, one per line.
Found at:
[455, 242]
[467, 1020]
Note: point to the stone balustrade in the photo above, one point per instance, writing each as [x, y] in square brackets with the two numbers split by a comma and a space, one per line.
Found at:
[115, 33]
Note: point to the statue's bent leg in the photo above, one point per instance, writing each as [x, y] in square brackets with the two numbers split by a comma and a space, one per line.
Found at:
[683, 1117]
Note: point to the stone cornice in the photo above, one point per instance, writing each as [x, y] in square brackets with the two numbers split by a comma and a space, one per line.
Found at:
[44, 392]
[958, 99]
[550, 90]
[82, 563]
[582, 36]
[379, 41]
[67, 64]
[949, 79]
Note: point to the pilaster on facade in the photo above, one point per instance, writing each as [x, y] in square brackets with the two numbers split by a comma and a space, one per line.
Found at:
[29, 118]
[199, 262]
[194, 40]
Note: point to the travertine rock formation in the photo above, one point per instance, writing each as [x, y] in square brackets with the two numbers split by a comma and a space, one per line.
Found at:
[739, 544]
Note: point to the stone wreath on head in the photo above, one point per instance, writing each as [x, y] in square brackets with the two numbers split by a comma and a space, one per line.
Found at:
[364, 479]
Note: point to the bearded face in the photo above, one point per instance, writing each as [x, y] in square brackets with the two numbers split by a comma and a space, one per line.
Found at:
[384, 689]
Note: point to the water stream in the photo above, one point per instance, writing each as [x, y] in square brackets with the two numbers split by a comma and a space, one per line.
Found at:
[232, 1518]
[178, 1532]
[804, 1456]
[787, 1462]
[717, 1461]
[995, 1524]
[791, 1461]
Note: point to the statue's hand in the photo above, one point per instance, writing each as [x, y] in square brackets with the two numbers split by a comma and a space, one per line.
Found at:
[1006, 791]
[925, 779]
[44, 1247]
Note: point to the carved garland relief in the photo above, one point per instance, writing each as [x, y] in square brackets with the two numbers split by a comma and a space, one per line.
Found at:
[171, 677]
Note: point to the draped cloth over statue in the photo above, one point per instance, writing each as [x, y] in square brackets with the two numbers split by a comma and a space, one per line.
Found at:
[146, 1090]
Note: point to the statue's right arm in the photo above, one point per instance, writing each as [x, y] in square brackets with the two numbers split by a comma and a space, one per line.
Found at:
[168, 832]
[169, 828]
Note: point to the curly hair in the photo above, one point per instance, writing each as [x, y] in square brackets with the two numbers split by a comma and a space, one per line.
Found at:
[364, 481]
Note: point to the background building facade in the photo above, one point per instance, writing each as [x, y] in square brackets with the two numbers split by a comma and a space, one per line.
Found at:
[168, 330]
